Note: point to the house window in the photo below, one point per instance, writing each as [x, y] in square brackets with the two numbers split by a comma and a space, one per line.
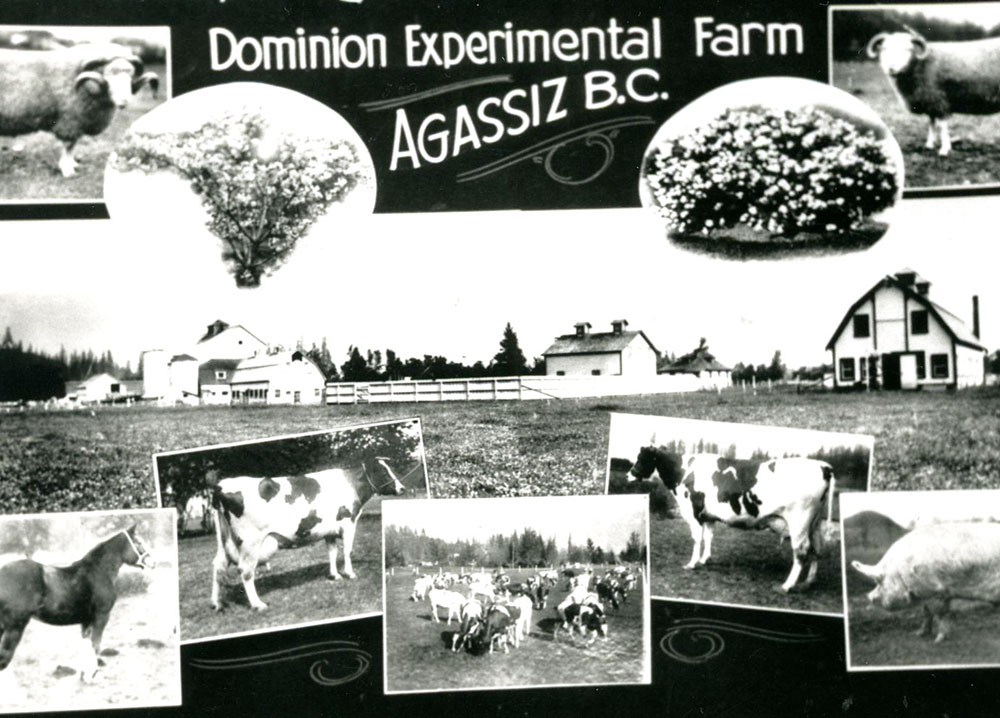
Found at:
[220, 374]
[560, 373]
[277, 393]
[847, 370]
[863, 369]
[939, 366]
[595, 372]
[918, 321]
[861, 327]
[316, 392]
[921, 365]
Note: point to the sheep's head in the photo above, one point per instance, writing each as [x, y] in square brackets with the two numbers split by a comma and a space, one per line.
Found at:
[896, 50]
[117, 74]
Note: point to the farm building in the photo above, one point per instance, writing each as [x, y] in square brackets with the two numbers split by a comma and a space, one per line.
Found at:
[230, 365]
[700, 363]
[287, 377]
[895, 337]
[619, 352]
[102, 388]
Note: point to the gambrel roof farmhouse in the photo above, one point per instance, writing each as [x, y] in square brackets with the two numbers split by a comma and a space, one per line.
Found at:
[895, 337]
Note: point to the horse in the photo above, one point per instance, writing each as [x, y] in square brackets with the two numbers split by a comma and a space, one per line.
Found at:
[82, 593]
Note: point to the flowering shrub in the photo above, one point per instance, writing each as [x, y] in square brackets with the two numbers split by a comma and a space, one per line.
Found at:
[262, 190]
[778, 171]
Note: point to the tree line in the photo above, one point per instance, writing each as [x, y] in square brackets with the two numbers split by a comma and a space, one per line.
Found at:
[853, 29]
[525, 549]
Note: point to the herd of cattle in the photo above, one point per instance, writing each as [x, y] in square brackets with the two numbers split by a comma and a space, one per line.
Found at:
[493, 612]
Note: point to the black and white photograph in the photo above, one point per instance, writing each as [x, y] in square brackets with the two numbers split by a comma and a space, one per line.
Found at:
[516, 593]
[921, 579]
[89, 611]
[248, 171]
[929, 70]
[772, 168]
[741, 514]
[319, 495]
[70, 94]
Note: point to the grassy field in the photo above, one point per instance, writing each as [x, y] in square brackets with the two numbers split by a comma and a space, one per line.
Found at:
[746, 569]
[419, 655]
[59, 461]
[975, 155]
[139, 651]
[32, 171]
[294, 587]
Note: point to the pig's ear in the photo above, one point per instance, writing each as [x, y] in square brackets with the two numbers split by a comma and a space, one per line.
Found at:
[873, 572]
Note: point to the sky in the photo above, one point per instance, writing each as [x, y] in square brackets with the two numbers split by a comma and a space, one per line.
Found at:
[447, 283]
[607, 520]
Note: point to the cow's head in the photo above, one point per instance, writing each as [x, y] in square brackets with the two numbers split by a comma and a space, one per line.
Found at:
[652, 460]
[382, 479]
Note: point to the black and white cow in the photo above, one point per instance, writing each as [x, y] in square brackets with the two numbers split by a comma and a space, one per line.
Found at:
[608, 589]
[784, 495]
[472, 627]
[586, 617]
[257, 516]
[499, 623]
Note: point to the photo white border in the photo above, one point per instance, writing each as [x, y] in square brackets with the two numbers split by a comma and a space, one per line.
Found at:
[647, 669]
[908, 192]
[766, 428]
[178, 688]
[167, 90]
[245, 442]
[930, 494]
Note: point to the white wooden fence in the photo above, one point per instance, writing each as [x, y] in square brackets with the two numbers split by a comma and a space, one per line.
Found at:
[517, 387]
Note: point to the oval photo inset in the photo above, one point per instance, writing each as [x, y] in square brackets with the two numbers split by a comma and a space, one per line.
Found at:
[771, 168]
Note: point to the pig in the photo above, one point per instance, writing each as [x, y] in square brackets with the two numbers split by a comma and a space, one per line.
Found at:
[934, 564]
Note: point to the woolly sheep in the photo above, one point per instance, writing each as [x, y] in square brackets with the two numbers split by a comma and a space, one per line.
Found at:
[69, 92]
[939, 78]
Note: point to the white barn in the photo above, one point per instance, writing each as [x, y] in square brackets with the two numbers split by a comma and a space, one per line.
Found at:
[895, 337]
[288, 377]
[619, 352]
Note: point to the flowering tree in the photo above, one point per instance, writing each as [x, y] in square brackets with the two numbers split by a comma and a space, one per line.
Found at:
[778, 171]
[262, 190]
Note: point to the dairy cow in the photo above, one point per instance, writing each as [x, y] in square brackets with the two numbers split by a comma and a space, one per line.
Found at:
[784, 495]
[257, 516]
[933, 565]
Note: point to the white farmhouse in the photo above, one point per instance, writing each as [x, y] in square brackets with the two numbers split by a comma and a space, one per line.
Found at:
[895, 337]
[619, 352]
[288, 377]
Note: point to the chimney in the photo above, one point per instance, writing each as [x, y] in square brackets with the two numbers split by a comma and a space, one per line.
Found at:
[582, 328]
[906, 277]
[975, 316]
[618, 325]
[923, 288]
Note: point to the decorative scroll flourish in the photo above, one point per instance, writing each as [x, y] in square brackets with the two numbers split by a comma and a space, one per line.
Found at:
[699, 640]
[600, 135]
[342, 661]
[388, 104]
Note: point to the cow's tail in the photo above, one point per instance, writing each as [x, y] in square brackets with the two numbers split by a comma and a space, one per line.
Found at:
[831, 485]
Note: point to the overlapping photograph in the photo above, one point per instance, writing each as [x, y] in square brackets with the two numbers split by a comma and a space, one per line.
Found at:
[743, 515]
[240, 505]
[515, 593]
[921, 579]
[89, 611]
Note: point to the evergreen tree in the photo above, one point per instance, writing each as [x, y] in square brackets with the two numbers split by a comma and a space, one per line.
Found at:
[509, 361]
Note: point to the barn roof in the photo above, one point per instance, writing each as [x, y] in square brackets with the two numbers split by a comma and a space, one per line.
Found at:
[697, 361]
[219, 327]
[259, 368]
[596, 343]
[955, 327]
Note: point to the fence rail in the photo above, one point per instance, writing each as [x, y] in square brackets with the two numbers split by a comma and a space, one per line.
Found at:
[515, 387]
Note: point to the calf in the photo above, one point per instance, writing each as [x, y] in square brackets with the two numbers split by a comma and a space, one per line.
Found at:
[450, 600]
[472, 626]
[498, 621]
[779, 494]
[935, 564]
[586, 618]
[257, 516]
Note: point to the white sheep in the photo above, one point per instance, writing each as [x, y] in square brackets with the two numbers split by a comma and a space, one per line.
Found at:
[69, 92]
[939, 78]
